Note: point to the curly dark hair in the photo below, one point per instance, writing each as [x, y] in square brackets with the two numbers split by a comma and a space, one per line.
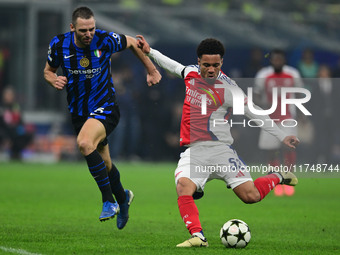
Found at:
[210, 46]
[82, 12]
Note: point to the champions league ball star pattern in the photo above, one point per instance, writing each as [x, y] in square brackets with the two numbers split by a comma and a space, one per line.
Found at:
[235, 234]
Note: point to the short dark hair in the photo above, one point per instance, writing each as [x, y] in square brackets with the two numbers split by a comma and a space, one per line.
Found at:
[278, 52]
[82, 12]
[210, 46]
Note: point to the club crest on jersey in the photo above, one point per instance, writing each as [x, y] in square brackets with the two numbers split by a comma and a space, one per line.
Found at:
[98, 53]
[84, 62]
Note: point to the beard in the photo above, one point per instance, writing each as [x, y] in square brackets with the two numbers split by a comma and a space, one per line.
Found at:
[84, 41]
[278, 69]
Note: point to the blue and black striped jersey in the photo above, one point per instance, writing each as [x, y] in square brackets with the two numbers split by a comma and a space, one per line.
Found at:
[88, 70]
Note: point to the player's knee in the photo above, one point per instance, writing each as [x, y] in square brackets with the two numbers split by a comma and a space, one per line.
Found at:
[185, 187]
[85, 146]
[251, 197]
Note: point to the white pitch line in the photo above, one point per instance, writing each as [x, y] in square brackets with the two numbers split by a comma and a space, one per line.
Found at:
[17, 251]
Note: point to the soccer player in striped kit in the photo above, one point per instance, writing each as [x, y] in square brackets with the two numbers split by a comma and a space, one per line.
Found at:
[84, 54]
[210, 145]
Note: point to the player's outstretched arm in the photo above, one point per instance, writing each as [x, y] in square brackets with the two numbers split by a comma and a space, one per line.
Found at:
[163, 61]
[153, 76]
[50, 75]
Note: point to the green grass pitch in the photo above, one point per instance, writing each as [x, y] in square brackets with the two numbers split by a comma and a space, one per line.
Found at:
[54, 209]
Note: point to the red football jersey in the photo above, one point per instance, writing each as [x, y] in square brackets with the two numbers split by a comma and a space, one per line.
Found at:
[203, 104]
[267, 79]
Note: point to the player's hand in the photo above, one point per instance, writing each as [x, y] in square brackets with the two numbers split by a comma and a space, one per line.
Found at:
[60, 82]
[143, 44]
[153, 78]
[291, 141]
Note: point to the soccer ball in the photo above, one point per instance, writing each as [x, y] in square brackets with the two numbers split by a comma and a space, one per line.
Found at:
[235, 234]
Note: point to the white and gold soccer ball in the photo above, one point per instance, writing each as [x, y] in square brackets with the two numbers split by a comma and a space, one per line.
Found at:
[235, 234]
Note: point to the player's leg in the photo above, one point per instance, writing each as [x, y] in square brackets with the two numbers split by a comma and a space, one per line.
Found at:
[185, 189]
[252, 192]
[247, 192]
[237, 176]
[113, 174]
[90, 135]
[189, 182]
[123, 197]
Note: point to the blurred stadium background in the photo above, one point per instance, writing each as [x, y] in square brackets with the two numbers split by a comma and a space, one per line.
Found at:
[150, 116]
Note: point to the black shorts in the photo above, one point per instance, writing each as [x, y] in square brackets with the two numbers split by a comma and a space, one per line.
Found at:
[108, 116]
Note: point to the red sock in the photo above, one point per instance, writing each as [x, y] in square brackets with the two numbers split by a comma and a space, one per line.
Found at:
[290, 158]
[266, 183]
[189, 213]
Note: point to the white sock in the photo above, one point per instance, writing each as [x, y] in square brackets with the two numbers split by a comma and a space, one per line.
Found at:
[199, 234]
[280, 177]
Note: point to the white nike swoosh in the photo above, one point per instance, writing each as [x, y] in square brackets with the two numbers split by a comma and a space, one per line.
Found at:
[93, 113]
[66, 57]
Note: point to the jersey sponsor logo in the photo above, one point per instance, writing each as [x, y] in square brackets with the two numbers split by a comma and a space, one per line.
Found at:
[84, 62]
[70, 56]
[90, 73]
[194, 97]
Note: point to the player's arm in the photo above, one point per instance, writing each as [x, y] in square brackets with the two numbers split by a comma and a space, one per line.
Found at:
[269, 125]
[153, 76]
[50, 75]
[163, 61]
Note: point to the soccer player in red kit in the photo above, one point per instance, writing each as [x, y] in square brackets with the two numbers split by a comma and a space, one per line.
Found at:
[277, 75]
[209, 144]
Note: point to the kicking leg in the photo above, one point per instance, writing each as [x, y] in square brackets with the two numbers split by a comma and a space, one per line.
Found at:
[252, 192]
